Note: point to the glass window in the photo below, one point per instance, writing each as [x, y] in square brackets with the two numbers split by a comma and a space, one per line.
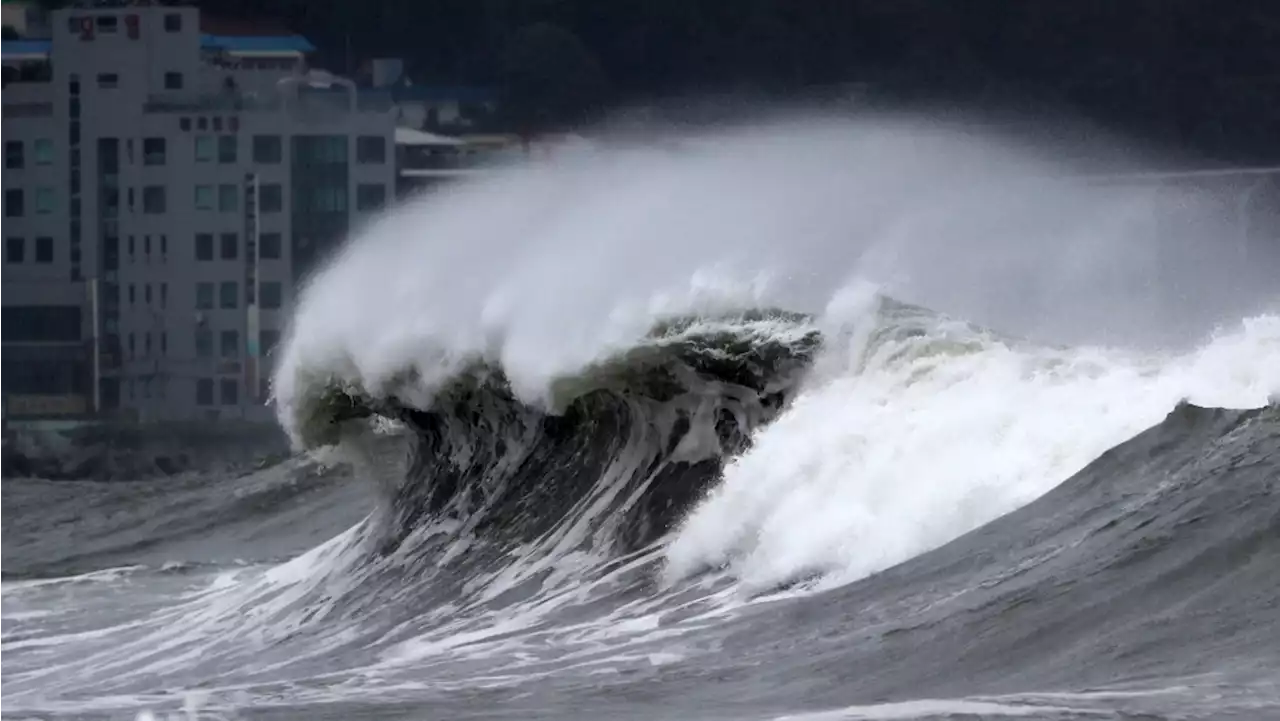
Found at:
[204, 296]
[13, 154]
[204, 392]
[230, 391]
[14, 207]
[153, 151]
[228, 198]
[204, 197]
[44, 249]
[269, 246]
[270, 198]
[371, 149]
[267, 149]
[205, 148]
[204, 246]
[227, 147]
[227, 294]
[153, 200]
[230, 244]
[173, 81]
[269, 340]
[272, 293]
[44, 151]
[15, 250]
[370, 196]
[204, 343]
[229, 344]
[44, 200]
[108, 80]
[173, 23]
[164, 303]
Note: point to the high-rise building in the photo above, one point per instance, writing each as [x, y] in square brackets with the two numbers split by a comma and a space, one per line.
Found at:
[166, 190]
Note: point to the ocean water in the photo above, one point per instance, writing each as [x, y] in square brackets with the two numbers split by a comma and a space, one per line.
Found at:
[812, 420]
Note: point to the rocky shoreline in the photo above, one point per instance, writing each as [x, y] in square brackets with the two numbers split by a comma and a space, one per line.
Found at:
[138, 452]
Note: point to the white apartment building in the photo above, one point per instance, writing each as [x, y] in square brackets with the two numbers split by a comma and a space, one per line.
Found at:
[166, 190]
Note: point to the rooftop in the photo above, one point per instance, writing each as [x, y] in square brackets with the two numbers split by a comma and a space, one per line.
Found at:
[234, 44]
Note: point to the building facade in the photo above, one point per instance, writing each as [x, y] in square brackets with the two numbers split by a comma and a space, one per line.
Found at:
[166, 192]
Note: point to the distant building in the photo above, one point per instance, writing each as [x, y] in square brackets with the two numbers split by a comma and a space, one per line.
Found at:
[166, 189]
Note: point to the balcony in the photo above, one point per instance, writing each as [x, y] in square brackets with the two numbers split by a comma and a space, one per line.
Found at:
[308, 101]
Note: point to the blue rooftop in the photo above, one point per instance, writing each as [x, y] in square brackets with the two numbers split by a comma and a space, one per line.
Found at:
[14, 49]
[20, 48]
[258, 43]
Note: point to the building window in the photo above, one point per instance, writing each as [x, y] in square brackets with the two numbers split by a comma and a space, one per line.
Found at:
[173, 81]
[204, 296]
[13, 155]
[204, 343]
[323, 199]
[227, 295]
[14, 207]
[164, 303]
[230, 246]
[44, 249]
[269, 246]
[268, 340]
[206, 147]
[133, 294]
[107, 81]
[154, 201]
[230, 391]
[184, 123]
[204, 392]
[164, 341]
[228, 198]
[146, 295]
[370, 196]
[15, 250]
[227, 146]
[132, 346]
[173, 23]
[272, 295]
[204, 197]
[267, 149]
[204, 246]
[270, 198]
[107, 24]
[153, 151]
[44, 151]
[371, 149]
[44, 200]
[229, 344]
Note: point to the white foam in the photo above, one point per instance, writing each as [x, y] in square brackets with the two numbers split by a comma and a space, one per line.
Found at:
[871, 467]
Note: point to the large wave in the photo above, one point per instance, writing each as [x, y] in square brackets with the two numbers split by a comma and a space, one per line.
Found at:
[567, 341]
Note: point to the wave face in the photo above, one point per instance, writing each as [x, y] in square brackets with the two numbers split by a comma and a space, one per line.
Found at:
[854, 420]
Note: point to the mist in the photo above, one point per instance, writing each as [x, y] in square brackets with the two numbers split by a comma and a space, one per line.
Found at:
[544, 266]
